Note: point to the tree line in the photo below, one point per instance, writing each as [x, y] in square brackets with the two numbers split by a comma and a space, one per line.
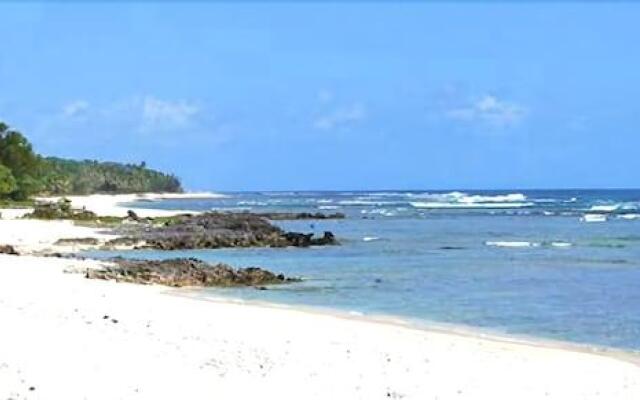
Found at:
[24, 173]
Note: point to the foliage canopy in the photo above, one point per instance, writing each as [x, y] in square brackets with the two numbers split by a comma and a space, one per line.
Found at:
[24, 173]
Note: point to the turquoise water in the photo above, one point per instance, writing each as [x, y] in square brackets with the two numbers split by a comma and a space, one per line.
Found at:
[514, 262]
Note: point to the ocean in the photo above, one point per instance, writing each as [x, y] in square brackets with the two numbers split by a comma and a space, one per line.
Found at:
[557, 264]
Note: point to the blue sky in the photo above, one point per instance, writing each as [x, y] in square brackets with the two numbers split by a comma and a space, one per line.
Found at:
[333, 96]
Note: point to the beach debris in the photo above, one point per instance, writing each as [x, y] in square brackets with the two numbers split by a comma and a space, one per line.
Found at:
[180, 272]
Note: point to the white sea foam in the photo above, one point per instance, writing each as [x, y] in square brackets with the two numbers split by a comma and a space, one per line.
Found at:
[451, 196]
[507, 198]
[370, 238]
[434, 204]
[364, 203]
[594, 218]
[633, 205]
[461, 197]
[379, 211]
[605, 207]
[629, 216]
[464, 200]
[252, 203]
[328, 207]
[561, 244]
[514, 244]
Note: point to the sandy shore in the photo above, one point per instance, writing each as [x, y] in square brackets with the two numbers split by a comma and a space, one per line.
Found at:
[114, 205]
[66, 337]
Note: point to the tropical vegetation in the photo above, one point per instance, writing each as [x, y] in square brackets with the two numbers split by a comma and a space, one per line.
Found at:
[24, 173]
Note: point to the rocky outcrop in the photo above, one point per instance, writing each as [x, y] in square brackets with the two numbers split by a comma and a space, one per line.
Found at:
[218, 230]
[88, 241]
[60, 210]
[306, 240]
[8, 249]
[126, 242]
[181, 272]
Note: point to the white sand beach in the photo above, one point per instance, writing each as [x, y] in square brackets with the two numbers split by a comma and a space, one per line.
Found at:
[114, 205]
[66, 337]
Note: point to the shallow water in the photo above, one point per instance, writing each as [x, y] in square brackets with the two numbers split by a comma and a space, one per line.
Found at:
[515, 262]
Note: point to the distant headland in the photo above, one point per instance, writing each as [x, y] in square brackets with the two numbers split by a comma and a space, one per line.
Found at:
[24, 173]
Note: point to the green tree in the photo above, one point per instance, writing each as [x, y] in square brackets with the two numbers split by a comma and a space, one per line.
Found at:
[7, 182]
[29, 173]
[16, 154]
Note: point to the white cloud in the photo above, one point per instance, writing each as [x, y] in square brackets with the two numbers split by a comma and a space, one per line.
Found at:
[75, 108]
[490, 110]
[157, 113]
[341, 117]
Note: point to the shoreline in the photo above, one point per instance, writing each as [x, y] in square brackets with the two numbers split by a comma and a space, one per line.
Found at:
[113, 204]
[121, 340]
[176, 346]
[419, 324]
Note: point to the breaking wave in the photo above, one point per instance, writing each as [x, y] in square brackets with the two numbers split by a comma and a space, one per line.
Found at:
[434, 205]
[464, 200]
[512, 244]
[605, 207]
[328, 207]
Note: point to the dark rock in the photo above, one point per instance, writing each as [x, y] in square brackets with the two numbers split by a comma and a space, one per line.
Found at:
[298, 239]
[70, 256]
[281, 216]
[60, 210]
[185, 272]
[305, 240]
[77, 241]
[217, 230]
[123, 241]
[8, 249]
[132, 215]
